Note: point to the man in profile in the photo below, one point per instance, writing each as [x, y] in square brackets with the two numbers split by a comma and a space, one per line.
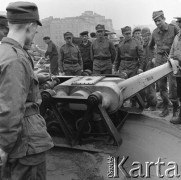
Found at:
[24, 138]
[53, 55]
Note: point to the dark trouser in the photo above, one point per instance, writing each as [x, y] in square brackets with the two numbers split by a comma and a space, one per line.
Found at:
[151, 95]
[150, 91]
[72, 69]
[106, 71]
[162, 85]
[102, 66]
[73, 73]
[88, 65]
[28, 168]
[54, 65]
[178, 79]
[172, 87]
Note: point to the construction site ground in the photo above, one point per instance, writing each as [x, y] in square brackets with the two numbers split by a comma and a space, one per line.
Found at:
[146, 137]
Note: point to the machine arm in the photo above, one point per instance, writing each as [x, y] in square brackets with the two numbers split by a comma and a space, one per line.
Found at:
[137, 83]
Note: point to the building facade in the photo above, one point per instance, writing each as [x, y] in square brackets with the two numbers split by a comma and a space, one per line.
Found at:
[56, 27]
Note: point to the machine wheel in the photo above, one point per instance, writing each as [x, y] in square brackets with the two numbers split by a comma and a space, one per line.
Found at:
[87, 128]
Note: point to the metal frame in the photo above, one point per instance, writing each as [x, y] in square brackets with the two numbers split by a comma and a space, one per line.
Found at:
[75, 138]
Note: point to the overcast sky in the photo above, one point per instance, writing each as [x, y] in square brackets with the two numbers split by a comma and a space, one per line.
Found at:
[122, 12]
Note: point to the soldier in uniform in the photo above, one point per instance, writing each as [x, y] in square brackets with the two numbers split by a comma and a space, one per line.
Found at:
[85, 47]
[103, 52]
[163, 37]
[129, 59]
[3, 26]
[175, 53]
[70, 57]
[53, 55]
[24, 138]
[150, 92]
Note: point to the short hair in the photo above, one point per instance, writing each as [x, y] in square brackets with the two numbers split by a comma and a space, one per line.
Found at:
[18, 26]
[46, 38]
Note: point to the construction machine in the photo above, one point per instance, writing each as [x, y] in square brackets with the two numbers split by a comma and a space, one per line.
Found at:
[86, 112]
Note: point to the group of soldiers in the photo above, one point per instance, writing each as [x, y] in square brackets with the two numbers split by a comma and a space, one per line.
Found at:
[138, 51]
[23, 136]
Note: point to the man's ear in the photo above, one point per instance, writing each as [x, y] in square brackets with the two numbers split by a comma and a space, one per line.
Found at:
[27, 27]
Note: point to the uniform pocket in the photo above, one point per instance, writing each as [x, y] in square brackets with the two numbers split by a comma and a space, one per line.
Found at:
[35, 125]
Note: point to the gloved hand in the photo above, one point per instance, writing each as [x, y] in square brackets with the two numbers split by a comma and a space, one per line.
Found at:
[42, 77]
[123, 75]
[3, 157]
[139, 71]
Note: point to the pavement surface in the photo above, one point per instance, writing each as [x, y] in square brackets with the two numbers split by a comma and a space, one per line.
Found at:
[147, 139]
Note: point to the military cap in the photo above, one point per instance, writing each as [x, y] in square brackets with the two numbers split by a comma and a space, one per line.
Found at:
[84, 33]
[68, 34]
[22, 12]
[46, 37]
[3, 21]
[157, 14]
[145, 31]
[126, 29]
[100, 27]
[93, 34]
[136, 29]
[178, 18]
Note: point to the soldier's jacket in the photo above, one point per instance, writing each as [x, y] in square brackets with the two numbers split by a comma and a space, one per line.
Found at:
[22, 128]
[103, 49]
[51, 50]
[130, 55]
[85, 52]
[163, 41]
[103, 54]
[176, 50]
[70, 53]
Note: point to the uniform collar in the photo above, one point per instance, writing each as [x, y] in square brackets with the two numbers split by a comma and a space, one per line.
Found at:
[164, 29]
[12, 42]
[71, 45]
[125, 40]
